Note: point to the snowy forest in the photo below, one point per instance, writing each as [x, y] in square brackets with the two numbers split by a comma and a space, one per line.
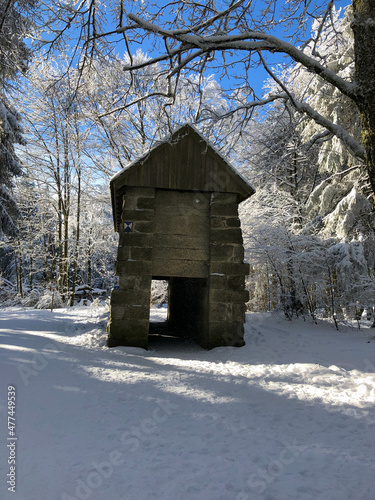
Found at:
[283, 90]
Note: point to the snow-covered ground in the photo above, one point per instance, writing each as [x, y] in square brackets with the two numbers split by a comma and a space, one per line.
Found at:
[290, 416]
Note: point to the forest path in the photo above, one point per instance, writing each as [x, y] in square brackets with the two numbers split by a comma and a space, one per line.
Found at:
[289, 416]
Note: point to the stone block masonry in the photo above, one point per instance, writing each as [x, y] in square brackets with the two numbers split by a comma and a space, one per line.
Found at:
[227, 294]
[200, 252]
[130, 304]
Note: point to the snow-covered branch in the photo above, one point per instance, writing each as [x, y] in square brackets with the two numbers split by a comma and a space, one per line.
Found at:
[336, 129]
[303, 107]
[249, 41]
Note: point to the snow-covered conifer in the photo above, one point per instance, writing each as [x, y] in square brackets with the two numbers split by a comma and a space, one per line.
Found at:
[15, 23]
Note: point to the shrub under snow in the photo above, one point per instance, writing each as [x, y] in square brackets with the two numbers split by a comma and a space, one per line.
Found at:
[45, 302]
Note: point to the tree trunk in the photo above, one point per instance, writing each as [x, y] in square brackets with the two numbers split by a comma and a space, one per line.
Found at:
[60, 243]
[65, 280]
[46, 272]
[89, 263]
[31, 270]
[16, 269]
[76, 252]
[53, 269]
[364, 50]
[31, 249]
[66, 212]
[20, 268]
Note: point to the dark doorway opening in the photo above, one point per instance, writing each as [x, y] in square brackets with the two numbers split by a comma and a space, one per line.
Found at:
[186, 317]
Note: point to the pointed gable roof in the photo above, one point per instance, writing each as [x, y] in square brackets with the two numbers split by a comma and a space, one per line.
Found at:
[184, 162]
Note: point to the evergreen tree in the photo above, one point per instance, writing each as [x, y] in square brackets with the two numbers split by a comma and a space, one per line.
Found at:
[14, 58]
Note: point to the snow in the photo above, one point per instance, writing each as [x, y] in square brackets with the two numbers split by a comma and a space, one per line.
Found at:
[289, 416]
[348, 214]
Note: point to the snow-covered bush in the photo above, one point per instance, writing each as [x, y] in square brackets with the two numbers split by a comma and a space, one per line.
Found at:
[45, 302]
[99, 303]
[159, 293]
[31, 299]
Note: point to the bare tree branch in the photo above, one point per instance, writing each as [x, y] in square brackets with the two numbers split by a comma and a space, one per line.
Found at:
[250, 41]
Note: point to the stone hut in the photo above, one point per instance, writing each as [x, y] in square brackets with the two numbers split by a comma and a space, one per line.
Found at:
[176, 212]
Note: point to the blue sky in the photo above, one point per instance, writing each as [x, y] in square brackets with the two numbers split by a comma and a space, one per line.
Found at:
[258, 76]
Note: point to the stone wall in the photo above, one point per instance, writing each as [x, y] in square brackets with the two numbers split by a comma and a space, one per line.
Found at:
[227, 294]
[213, 271]
[130, 304]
